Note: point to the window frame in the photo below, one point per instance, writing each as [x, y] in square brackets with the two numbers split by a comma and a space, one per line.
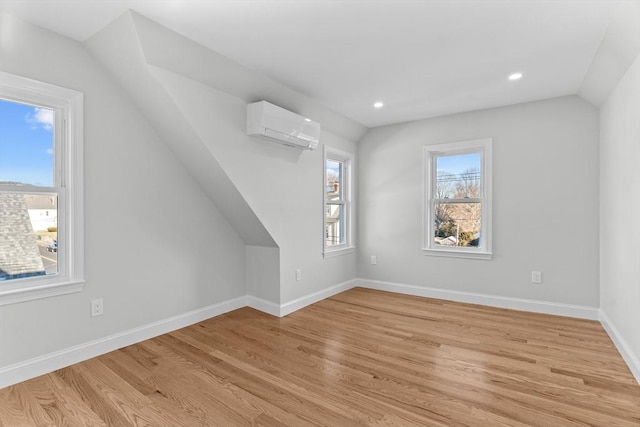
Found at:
[483, 147]
[347, 159]
[68, 186]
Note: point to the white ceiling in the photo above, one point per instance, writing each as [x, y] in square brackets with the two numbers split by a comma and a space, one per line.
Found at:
[421, 58]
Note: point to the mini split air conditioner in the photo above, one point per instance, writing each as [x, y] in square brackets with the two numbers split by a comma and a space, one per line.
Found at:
[279, 125]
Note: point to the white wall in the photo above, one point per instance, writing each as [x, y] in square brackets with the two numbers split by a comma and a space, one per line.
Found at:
[620, 209]
[263, 273]
[118, 48]
[545, 203]
[155, 245]
[283, 186]
[182, 85]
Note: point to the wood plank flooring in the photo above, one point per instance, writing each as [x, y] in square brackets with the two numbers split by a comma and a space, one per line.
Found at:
[362, 357]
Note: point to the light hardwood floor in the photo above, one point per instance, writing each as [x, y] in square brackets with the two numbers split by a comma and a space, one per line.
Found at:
[362, 357]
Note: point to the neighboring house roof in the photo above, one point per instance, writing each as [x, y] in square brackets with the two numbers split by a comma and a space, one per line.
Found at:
[19, 254]
[35, 201]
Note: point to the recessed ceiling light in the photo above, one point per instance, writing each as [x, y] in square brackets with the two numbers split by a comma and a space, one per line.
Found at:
[378, 104]
[515, 76]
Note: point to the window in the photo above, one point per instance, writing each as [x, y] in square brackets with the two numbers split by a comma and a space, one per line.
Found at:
[41, 210]
[457, 201]
[338, 209]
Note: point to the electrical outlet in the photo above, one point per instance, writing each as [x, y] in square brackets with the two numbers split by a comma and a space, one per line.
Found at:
[97, 307]
[374, 260]
[536, 277]
[299, 274]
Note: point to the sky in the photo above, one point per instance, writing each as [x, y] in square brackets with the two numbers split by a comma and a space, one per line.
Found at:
[333, 168]
[26, 144]
[458, 163]
[26, 147]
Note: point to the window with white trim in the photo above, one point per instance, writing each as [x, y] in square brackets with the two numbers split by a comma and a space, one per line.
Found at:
[457, 199]
[41, 189]
[338, 207]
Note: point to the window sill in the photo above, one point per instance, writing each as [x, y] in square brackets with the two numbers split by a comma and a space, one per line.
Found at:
[20, 292]
[458, 253]
[337, 252]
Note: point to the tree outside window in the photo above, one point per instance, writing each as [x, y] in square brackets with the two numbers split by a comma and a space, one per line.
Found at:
[457, 200]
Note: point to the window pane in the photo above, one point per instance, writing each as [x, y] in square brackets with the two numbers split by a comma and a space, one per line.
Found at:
[458, 176]
[334, 225]
[28, 235]
[26, 144]
[333, 186]
[457, 224]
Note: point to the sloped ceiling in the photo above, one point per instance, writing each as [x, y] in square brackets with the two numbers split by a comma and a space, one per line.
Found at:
[134, 47]
[118, 46]
[618, 49]
[422, 58]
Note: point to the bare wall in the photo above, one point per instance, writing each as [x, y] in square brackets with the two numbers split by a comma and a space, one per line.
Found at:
[155, 245]
[282, 185]
[620, 209]
[545, 203]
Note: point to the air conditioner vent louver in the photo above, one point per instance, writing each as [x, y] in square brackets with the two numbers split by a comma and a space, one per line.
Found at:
[283, 126]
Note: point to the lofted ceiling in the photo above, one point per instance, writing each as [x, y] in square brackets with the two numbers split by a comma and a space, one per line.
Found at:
[420, 58]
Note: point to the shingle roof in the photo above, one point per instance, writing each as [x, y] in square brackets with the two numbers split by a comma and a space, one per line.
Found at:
[19, 254]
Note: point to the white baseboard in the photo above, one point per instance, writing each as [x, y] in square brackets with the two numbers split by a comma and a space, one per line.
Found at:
[568, 310]
[32, 368]
[302, 302]
[624, 348]
[295, 305]
[545, 307]
[41, 365]
[263, 305]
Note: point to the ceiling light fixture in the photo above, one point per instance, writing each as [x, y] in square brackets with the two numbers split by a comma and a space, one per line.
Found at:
[378, 104]
[515, 76]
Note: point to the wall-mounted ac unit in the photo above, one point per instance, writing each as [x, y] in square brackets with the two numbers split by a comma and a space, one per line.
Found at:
[283, 126]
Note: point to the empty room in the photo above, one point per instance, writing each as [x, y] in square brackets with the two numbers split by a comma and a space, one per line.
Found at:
[319, 212]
